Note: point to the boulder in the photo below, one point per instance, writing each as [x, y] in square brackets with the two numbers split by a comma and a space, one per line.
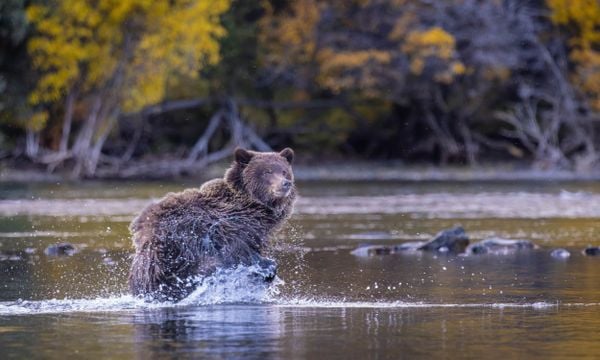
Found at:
[10, 257]
[499, 246]
[370, 250]
[592, 251]
[409, 246]
[560, 253]
[62, 249]
[453, 240]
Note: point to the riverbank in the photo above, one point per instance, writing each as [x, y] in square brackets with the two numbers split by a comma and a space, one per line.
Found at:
[352, 171]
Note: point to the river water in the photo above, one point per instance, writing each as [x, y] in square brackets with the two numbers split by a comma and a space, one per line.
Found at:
[327, 303]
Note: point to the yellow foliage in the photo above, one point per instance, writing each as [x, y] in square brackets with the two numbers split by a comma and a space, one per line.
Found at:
[37, 121]
[333, 65]
[432, 43]
[584, 17]
[127, 48]
[291, 39]
[458, 68]
[350, 59]
[402, 26]
[290, 35]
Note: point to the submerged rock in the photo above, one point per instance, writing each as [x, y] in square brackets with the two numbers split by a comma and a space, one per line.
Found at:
[62, 249]
[370, 250]
[592, 251]
[409, 246]
[560, 253]
[453, 240]
[499, 246]
[10, 257]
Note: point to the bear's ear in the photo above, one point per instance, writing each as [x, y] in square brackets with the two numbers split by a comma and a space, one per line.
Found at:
[288, 154]
[242, 156]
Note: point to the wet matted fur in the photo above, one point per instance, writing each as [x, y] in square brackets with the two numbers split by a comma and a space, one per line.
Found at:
[224, 223]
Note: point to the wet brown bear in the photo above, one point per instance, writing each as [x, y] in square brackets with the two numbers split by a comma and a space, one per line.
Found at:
[224, 223]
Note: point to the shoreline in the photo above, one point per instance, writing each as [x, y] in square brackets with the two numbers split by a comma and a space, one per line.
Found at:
[346, 172]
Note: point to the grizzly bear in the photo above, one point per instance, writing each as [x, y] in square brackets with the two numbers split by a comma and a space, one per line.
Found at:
[187, 236]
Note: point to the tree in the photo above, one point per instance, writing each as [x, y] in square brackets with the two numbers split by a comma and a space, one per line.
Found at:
[461, 75]
[583, 17]
[14, 65]
[435, 61]
[100, 58]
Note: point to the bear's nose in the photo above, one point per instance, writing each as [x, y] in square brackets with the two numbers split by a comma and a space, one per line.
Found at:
[286, 184]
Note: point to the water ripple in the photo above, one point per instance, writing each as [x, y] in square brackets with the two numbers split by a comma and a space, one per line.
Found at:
[432, 205]
[126, 303]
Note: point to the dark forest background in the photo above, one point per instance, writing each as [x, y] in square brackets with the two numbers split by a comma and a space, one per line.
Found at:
[135, 88]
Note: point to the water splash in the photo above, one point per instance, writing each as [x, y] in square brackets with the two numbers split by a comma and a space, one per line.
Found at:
[108, 304]
[237, 285]
[226, 286]
[212, 296]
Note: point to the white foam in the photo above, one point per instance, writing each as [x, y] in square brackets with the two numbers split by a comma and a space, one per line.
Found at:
[210, 296]
[238, 285]
[109, 304]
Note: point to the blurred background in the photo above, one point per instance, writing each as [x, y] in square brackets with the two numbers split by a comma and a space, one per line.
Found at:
[139, 88]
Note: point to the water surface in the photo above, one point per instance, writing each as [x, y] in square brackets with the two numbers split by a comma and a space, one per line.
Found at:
[328, 303]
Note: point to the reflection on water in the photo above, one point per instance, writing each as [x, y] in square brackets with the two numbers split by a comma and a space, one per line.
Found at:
[329, 302]
[260, 331]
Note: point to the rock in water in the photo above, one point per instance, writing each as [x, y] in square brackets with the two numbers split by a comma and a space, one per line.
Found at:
[560, 254]
[499, 246]
[409, 246]
[61, 249]
[592, 251]
[453, 240]
[370, 250]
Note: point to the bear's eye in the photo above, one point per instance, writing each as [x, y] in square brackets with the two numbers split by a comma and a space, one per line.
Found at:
[285, 173]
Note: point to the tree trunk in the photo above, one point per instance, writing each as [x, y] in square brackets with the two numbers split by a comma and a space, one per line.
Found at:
[67, 121]
[82, 144]
[201, 146]
[139, 130]
[32, 143]
[96, 150]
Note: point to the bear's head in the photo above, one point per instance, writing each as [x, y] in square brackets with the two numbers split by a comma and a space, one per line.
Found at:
[266, 176]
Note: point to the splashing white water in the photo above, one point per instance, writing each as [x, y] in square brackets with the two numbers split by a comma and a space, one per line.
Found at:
[238, 286]
[205, 297]
[226, 286]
